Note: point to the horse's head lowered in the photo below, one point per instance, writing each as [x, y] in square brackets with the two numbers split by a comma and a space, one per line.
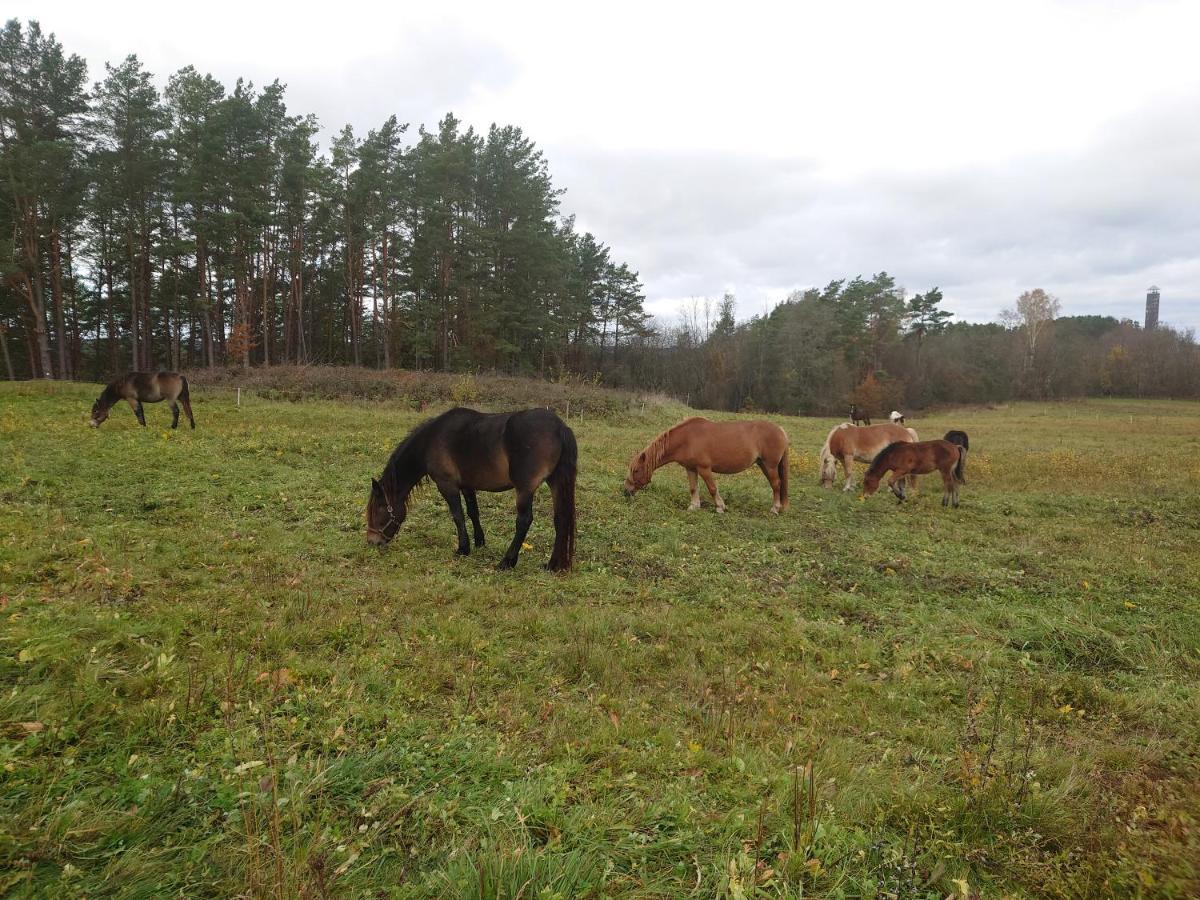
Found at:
[99, 414]
[385, 515]
[871, 483]
[103, 404]
[640, 472]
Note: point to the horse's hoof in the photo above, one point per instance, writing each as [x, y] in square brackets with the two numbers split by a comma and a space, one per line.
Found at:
[461, 551]
[720, 510]
[505, 564]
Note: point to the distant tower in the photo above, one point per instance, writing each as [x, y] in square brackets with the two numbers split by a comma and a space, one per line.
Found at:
[1151, 308]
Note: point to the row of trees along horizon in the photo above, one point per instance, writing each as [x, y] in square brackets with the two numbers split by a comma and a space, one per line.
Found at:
[200, 227]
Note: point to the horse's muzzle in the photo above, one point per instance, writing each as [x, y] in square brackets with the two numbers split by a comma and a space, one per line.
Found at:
[376, 539]
[628, 493]
[93, 423]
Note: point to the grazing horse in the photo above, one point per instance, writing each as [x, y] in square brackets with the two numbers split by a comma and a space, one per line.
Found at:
[137, 388]
[463, 451]
[960, 438]
[896, 418]
[704, 447]
[857, 416]
[847, 443]
[905, 458]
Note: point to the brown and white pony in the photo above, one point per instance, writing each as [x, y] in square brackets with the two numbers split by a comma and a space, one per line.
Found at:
[705, 448]
[137, 388]
[905, 459]
[847, 443]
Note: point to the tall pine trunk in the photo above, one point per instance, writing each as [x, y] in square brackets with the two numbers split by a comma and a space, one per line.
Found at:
[134, 318]
[56, 294]
[7, 359]
[31, 280]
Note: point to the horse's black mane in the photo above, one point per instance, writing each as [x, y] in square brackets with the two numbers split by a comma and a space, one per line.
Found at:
[402, 465]
[110, 395]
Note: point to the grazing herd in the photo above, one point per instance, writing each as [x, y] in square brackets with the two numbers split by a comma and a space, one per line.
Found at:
[463, 451]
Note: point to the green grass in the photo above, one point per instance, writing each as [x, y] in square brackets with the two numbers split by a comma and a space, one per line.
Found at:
[210, 685]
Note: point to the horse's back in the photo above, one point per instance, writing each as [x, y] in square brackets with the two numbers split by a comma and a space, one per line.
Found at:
[489, 451]
[865, 442]
[729, 447]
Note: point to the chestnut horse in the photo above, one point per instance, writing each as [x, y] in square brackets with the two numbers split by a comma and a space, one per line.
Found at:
[137, 388]
[905, 458]
[704, 447]
[463, 451]
[847, 443]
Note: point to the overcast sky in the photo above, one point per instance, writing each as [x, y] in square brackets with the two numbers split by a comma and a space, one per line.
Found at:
[759, 149]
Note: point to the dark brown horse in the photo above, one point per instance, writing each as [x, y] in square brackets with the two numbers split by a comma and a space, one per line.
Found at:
[960, 438]
[858, 416]
[463, 451]
[905, 458]
[137, 388]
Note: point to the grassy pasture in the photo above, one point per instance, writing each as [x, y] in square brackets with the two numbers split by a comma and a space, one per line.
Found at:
[211, 686]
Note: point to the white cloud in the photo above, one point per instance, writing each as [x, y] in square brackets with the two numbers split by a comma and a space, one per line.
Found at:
[763, 147]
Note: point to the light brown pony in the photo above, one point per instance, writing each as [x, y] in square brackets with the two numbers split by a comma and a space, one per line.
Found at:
[847, 443]
[137, 388]
[905, 458]
[704, 447]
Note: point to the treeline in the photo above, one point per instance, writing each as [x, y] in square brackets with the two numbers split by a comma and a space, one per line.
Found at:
[867, 341]
[201, 226]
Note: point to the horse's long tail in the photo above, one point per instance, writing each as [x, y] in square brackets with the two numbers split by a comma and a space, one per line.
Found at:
[958, 468]
[562, 488]
[783, 480]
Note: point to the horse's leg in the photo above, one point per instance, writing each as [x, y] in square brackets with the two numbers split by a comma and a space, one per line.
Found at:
[174, 414]
[947, 486]
[692, 486]
[473, 512]
[706, 474]
[773, 479]
[187, 408]
[136, 406]
[524, 520]
[897, 484]
[449, 491]
[847, 467]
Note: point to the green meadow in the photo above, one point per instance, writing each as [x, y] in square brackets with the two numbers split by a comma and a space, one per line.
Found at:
[211, 686]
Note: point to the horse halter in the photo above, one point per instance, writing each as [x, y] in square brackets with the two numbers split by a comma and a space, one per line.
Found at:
[391, 518]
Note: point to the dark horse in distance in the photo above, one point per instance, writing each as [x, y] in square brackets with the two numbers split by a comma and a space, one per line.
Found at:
[137, 388]
[858, 416]
[463, 451]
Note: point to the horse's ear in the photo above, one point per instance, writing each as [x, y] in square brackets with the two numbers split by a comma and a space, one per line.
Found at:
[376, 487]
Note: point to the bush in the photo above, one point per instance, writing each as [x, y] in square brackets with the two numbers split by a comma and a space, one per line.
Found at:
[423, 389]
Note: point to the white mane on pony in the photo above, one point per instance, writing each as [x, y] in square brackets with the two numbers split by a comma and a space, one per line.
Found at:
[828, 463]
